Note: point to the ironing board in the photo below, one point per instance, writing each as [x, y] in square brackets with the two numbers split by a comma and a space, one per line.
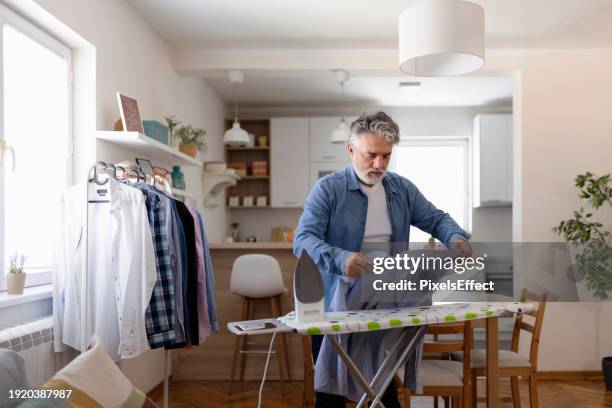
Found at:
[381, 319]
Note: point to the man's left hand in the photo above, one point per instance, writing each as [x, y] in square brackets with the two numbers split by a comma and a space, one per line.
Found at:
[463, 247]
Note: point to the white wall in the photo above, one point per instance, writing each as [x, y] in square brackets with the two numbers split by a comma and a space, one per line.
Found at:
[563, 127]
[131, 58]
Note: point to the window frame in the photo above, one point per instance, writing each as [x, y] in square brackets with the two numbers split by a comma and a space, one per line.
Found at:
[35, 276]
[462, 141]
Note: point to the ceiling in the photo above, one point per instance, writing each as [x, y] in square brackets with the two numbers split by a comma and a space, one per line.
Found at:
[324, 91]
[284, 26]
[366, 24]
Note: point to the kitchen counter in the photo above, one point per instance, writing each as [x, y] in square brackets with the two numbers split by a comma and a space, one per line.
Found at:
[252, 245]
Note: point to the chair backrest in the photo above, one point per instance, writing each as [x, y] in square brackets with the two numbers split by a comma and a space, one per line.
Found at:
[441, 345]
[535, 329]
[256, 276]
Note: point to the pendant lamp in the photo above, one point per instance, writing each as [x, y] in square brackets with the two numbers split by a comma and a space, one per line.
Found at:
[342, 133]
[236, 136]
[441, 38]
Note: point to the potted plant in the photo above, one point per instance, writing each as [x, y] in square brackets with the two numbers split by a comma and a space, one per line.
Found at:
[191, 140]
[15, 279]
[592, 243]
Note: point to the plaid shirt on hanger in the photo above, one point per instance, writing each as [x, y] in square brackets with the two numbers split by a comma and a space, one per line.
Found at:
[159, 316]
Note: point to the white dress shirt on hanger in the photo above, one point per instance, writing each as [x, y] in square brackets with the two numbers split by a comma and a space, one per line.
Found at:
[121, 271]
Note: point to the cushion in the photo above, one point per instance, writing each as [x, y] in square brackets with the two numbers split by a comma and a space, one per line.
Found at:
[12, 377]
[95, 381]
[441, 373]
[507, 358]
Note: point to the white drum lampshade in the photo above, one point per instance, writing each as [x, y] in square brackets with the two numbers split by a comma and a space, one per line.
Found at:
[441, 38]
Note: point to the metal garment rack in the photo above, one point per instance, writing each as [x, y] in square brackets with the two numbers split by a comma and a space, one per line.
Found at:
[85, 259]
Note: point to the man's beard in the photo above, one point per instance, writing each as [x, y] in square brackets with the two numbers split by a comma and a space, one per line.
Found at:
[366, 178]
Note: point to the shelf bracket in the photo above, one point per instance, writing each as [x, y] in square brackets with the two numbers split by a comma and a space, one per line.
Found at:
[213, 185]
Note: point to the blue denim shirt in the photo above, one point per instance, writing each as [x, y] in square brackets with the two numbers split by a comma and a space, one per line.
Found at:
[333, 222]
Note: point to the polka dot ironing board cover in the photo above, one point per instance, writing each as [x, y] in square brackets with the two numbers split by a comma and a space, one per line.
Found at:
[368, 320]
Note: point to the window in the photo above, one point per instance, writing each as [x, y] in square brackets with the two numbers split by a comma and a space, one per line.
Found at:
[35, 120]
[439, 168]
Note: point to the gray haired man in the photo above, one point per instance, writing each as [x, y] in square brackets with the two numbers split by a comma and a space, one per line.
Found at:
[363, 203]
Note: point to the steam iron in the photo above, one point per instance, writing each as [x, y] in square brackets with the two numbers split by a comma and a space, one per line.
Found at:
[308, 291]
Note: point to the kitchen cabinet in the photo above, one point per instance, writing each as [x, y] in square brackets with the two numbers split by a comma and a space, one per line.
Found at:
[321, 149]
[289, 162]
[492, 160]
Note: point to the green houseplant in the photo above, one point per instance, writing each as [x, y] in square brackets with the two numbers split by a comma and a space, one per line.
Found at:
[589, 237]
[15, 279]
[191, 140]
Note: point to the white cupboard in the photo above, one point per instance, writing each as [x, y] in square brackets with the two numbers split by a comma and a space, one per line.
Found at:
[492, 160]
[321, 148]
[289, 162]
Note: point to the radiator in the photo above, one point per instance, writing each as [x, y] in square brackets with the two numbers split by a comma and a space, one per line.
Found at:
[34, 342]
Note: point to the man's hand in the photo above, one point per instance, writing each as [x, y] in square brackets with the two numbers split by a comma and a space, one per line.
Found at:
[463, 247]
[356, 264]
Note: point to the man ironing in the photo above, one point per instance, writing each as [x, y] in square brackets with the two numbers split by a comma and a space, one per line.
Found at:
[358, 204]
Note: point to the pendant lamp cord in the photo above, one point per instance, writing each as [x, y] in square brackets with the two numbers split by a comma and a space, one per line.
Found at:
[235, 103]
[342, 97]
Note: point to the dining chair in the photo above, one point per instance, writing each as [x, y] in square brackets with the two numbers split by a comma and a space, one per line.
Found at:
[443, 377]
[511, 363]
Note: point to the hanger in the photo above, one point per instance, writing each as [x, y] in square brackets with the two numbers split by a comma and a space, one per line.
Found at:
[95, 177]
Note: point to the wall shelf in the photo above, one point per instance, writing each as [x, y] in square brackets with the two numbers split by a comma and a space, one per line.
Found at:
[148, 148]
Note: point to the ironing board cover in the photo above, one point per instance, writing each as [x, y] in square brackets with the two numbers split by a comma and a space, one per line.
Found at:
[380, 319]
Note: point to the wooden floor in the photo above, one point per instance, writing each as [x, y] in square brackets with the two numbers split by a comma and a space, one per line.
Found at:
[204, 394]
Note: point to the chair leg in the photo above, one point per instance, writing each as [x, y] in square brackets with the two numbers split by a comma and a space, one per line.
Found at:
[283, 338]
[516, 395]
[533, 390]
[279, 353]
[249, 307]
[474, 390]
[243, 316]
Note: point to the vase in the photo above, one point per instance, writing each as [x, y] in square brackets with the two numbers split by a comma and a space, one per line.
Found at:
[15, 283]
[189, 149]
[178, 178]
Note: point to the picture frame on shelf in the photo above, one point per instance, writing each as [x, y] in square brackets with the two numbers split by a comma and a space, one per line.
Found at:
[145, 166]
[130, 115]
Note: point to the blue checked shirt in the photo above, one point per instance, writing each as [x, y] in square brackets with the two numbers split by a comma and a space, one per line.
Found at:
[159, 316]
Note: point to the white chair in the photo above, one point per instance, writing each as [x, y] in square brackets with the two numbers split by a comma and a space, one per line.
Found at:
[258, 277]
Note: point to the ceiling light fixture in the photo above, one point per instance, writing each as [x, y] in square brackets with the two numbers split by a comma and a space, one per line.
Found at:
[441, 38]
[236, 135]
[342, 133]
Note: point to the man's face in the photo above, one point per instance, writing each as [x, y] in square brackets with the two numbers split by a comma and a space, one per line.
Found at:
[371, 155]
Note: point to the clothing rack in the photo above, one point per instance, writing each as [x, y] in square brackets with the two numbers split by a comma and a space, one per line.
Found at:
[84, 323]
